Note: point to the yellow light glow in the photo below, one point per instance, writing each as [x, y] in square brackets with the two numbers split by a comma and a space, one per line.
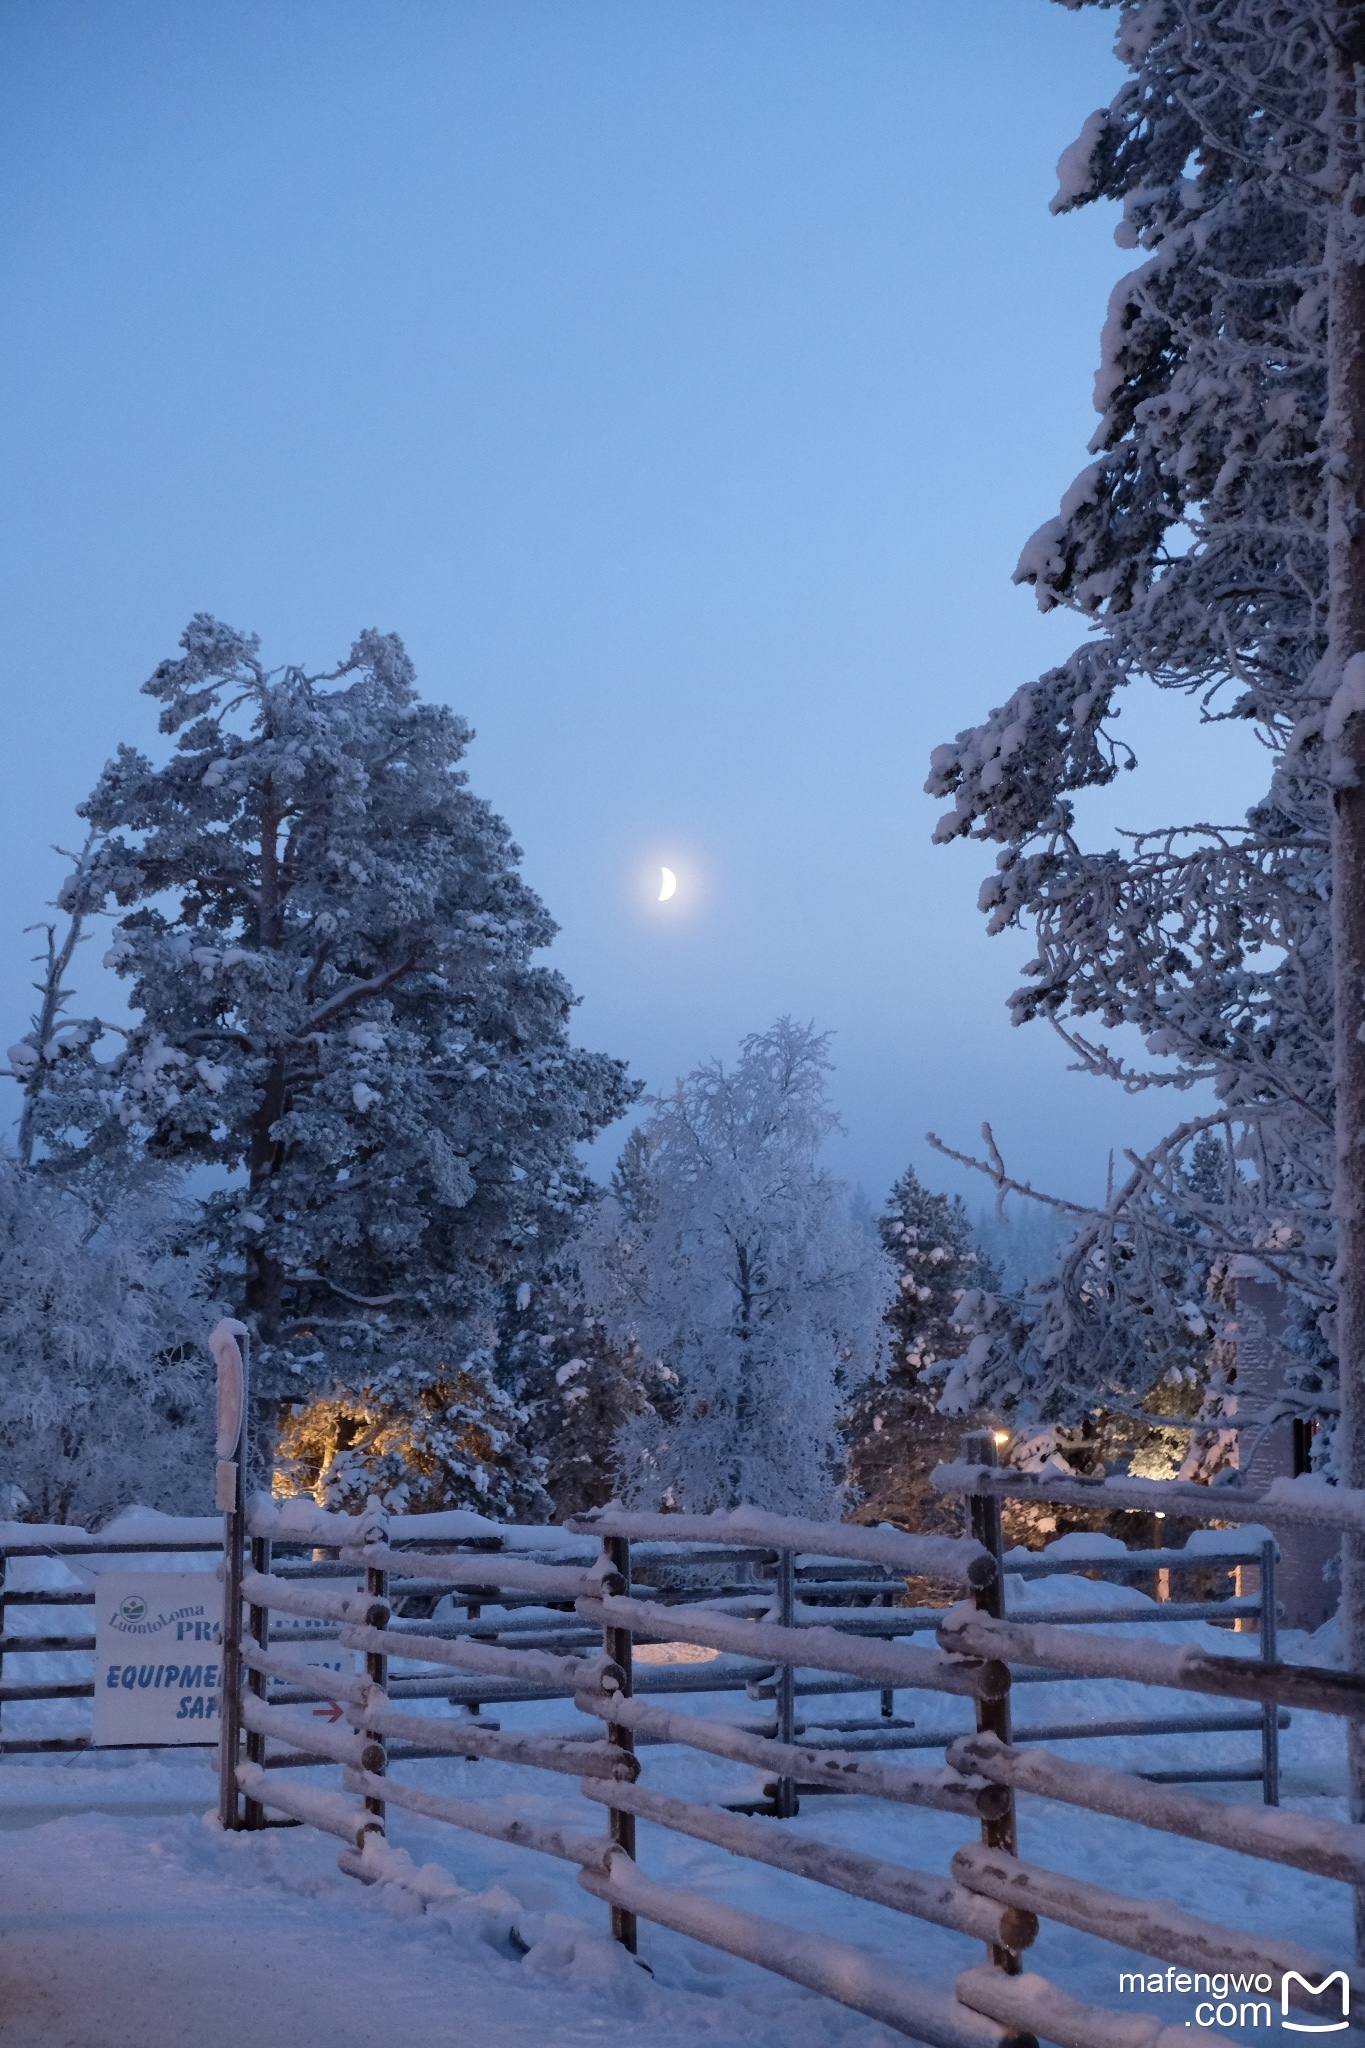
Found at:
[1002, 1436]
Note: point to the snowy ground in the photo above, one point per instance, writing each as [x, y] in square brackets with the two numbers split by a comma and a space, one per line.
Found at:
[137, 1925]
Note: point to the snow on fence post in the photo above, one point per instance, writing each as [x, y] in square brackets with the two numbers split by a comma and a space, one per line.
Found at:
[616, 1642]
[1270, 1712]
[785, 1790]
[232, 1362]
[258, 1628]
[992, 1716]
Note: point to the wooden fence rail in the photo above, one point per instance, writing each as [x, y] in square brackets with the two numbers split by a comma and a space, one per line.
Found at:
[775, 1599]
[990, 1892]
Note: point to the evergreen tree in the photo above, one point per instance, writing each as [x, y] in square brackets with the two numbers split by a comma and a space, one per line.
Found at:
[897, 1434]
[727, 1254]
[330, 956]
[576, 1388]
[1195, 546]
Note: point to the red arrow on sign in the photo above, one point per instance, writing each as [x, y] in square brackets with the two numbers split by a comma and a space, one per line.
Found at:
[329, 1713]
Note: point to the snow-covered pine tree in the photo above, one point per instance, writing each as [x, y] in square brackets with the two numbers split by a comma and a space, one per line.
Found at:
[897, 1434]
[1195, 544]
[728, 1255]
[330, 953]
[576, 1388]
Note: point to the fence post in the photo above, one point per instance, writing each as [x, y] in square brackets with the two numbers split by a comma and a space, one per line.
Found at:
[992, 1716]
[230, 1719]
[616, 1642]
[786, 1802]
[258, 1628]
[1270, 1713]
[377, 1670]
[231, 1498]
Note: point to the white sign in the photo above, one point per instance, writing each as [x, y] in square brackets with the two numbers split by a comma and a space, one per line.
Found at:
[157, 1658]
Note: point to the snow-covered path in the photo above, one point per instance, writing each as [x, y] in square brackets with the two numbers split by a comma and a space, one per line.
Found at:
[159, 1933]
[152, 1934]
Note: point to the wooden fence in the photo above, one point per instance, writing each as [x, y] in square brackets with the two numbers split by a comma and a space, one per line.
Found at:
[778, 1601]
[770, 1646]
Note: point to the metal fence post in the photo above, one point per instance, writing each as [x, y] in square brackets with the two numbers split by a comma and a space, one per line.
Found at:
[377, 1671]
[616, 1642]
[1270, 1714]
[258, 1628]
[787, 1802]
[230, 1719]
[992, 1716]
[232, 1467]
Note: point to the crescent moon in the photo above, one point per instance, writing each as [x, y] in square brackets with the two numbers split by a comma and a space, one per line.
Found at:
[668, 882]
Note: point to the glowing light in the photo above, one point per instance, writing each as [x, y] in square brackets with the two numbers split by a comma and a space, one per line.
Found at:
[1002, 1436]
[668, 883]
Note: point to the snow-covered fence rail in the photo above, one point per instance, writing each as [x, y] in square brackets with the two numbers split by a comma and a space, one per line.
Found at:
[1184, 1668]
[1329, 1848]
[733, 1621]
[1326, 1847]
[825, 1649]
[1307, 1502]
[939, 1557]
[977, 1478]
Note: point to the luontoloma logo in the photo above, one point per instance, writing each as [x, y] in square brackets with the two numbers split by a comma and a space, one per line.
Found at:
[1315, 1991]
[134, 1617]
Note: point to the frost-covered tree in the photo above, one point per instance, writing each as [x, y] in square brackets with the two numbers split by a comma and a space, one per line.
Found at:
[576, 1388]
[728, 1255]
[1195, 544]
[454, 1439]
[105, 1396]
[896, 1433]
[330, 962]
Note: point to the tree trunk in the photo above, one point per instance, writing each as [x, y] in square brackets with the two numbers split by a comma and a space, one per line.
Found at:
[1346, 558]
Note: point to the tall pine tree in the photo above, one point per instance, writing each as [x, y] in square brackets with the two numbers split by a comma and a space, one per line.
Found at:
[330, 959]
[1195, 547]
[897, 1434]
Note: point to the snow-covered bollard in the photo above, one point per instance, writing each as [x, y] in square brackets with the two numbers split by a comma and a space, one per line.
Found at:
[230, 1401]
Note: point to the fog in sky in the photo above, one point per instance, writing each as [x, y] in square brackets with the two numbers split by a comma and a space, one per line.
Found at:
[681, 381]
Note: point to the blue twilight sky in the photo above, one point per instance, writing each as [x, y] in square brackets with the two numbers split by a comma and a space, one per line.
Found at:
[680, 378]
